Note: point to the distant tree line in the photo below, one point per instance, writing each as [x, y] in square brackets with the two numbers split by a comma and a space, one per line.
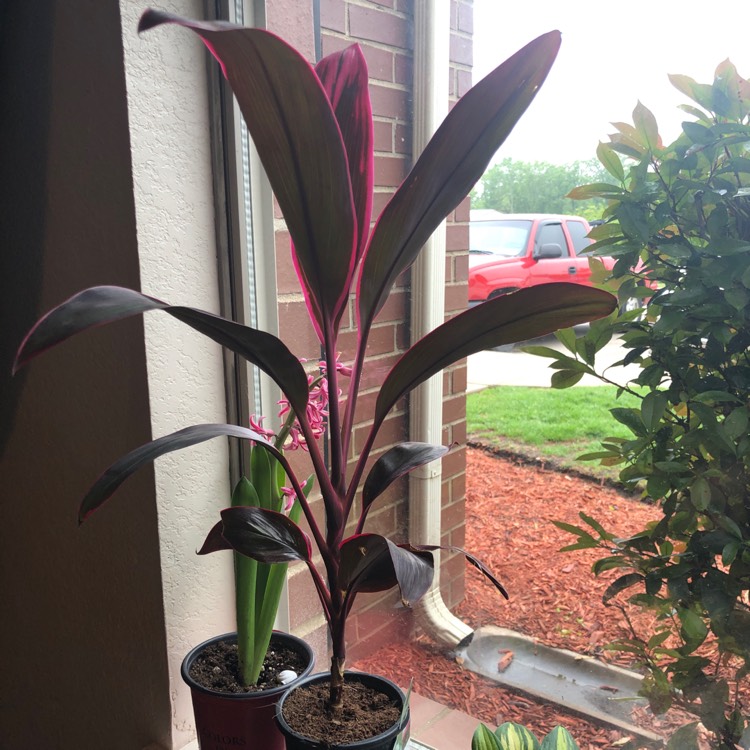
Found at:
[538, 187]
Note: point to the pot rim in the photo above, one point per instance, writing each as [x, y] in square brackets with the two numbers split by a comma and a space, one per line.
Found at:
[278, 635]
[403, 720]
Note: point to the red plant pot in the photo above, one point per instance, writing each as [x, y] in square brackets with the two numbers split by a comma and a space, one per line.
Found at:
[240, 720]
[383, 741]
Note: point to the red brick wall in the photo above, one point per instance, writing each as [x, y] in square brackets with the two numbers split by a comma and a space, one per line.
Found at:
[384, 30]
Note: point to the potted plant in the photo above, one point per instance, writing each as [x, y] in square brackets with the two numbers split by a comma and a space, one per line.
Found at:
[313, 131]
[511, 736]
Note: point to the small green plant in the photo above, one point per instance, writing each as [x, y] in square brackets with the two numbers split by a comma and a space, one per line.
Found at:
[510, 736]
[678, 223]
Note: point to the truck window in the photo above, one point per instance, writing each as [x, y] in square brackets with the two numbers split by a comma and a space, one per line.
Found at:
[552, 234]
[578, 232]
[506, 238]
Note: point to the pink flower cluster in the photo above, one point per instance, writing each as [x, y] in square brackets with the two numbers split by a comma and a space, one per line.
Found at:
[316, 411]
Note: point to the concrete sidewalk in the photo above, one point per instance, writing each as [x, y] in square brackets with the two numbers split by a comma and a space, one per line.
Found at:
[514, 367]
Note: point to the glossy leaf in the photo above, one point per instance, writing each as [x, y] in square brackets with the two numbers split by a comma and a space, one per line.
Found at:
[396, 462]
[512, 736]
[264, 535]
[124, 467]
[559, 739]
[345, 80]
[100, 305]
[370, 563]
[478, 564]
[519, 316]
[453, 160]
[293, 126]
[484, 739]
[620, 584]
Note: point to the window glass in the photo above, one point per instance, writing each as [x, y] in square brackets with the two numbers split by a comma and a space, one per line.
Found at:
[505, 238]
[551, 234]
[578, 232]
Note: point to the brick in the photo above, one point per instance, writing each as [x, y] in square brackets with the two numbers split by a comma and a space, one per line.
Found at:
[333, 15]
[460, 268]
[302, 592]
[454, 462]
[390, 170]
[458, 432]
[383, 135]
[286, 277]
[380, 63]
[463, 78]
[456, 297]
[461, 50]
[459, 378]
[378, 25]
[389, 102]
[465, 18]
[379, 201]
[296, 331]
[394, 430]
[457, 237]
[462, 210]
[332, 43]
[380, 341]
[404, 69]
[402, 142]
[395, 307]
[454, 409]
[458, 486]
[452, 515]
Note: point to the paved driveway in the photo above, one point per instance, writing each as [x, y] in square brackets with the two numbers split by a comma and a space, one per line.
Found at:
[517, 368]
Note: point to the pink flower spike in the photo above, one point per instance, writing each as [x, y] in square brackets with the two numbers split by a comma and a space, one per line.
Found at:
[290, 496]
[256, 424]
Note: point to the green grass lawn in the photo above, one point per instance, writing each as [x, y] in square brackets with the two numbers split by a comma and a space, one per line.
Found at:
[555, 425]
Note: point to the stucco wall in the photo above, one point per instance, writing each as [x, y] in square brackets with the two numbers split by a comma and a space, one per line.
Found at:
[166, 77]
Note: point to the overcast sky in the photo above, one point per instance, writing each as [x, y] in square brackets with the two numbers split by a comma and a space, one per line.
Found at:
[612, 55]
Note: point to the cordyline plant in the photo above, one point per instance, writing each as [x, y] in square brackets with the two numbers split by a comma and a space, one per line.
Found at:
[314, 132]
[678, 223]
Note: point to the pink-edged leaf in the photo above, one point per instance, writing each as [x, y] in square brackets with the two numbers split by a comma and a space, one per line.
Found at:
[292, 123]
[519, 316]
[263, 535]
[126, 466]
[345, 80]
[394, 463]
[100, 305]
[451, 163]
[478, 564]
[370, 563]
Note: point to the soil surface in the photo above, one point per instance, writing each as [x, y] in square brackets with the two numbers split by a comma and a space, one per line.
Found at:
[366, 713]
[554, 596]
[217, 667]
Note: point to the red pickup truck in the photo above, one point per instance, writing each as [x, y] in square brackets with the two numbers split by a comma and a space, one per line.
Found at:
[513, 251]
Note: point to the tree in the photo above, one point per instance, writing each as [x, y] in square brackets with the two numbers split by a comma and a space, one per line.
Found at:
[678, 223]
[539, 187]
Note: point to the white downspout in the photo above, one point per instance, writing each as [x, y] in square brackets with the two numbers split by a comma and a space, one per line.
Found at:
[431, 61]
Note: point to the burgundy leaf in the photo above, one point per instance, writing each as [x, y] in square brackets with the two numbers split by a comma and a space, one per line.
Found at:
[522, 315]
[345, 80]
[294, 128]
[478, 564]
[264, 535]
[214, 541]
[453, 160]
[124, 467]
[396, 462]
[370, 563]
[105, 304]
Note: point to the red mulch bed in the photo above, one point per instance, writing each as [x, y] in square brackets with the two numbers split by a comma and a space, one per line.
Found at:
[553, 595]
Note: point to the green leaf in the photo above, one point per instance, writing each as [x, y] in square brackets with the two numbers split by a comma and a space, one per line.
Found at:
[685, 738]
[567, 337]
[484, 739]
[700, 493]
[513, 736]
[559, 739]
[630, 418]
[645, 124]
[565, 378]
[620, 584]
[693, 626]
[610, 161]
[653, 406]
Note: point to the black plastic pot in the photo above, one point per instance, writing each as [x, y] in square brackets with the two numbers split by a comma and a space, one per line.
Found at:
[241, 720]
[384, 741]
